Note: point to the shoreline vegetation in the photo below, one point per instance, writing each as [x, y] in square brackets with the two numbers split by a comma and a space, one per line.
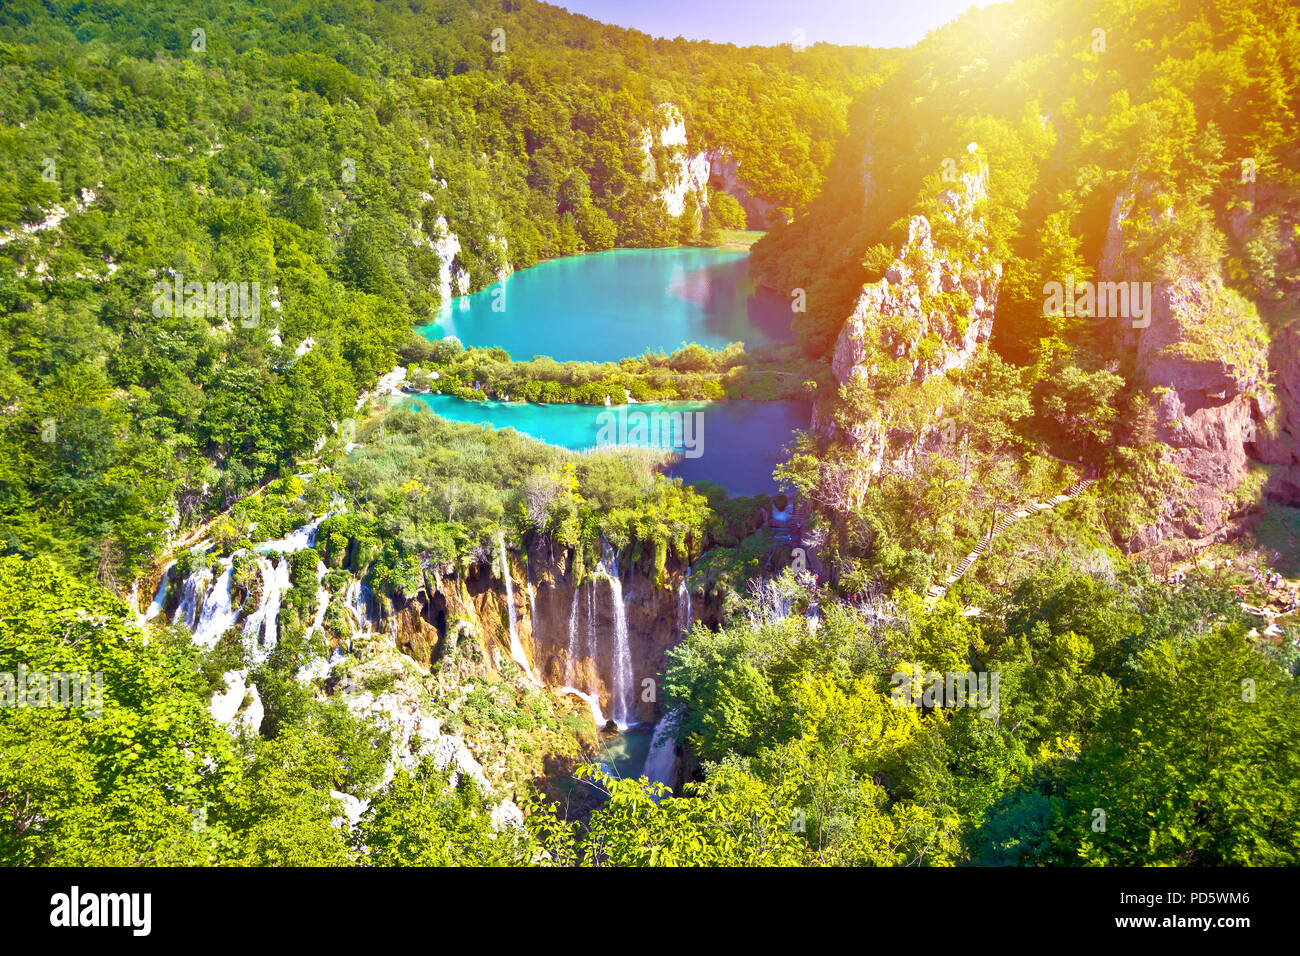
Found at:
[692, 373]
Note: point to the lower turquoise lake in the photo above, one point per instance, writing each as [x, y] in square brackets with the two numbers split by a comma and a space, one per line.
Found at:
[736, 444]
[611, 305]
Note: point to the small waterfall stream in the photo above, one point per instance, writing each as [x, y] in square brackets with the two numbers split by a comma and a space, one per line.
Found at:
[684, 611]
[262, 626]
[516, 648]
[196, 586]
[160, 593]
[661, 761]
[356, 604]
[571, 664]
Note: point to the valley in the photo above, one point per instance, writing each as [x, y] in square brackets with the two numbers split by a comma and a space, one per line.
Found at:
[468, 433]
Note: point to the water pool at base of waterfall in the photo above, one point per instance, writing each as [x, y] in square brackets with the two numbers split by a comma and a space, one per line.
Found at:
[623, 755]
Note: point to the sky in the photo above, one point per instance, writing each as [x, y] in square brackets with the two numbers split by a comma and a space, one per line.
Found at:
[768, 22]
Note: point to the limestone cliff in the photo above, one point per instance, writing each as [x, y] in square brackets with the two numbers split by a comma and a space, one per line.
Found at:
[927, 315]
[1204, 359]
[697, 173]
[1279, 439]
[570, 635]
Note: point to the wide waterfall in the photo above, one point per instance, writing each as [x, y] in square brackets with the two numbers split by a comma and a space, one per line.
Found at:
[206, 607]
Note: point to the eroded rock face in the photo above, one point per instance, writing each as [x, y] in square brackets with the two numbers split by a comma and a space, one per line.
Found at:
[1279, 442]
[567, 633]
[698, 173]
[1211, 393]
[928, 314]
[688, 174]
[723, 172]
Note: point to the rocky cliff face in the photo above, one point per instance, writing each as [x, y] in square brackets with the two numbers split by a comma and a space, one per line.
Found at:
[1204, 361]
[1211, 395]
[569, 634]
[724, 174]
[927, 315]
[700, 172]
[1279, 439]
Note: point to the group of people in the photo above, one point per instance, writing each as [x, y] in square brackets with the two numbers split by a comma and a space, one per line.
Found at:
[1271, 581]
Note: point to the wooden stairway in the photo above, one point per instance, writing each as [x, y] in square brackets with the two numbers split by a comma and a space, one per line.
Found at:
[936, 591]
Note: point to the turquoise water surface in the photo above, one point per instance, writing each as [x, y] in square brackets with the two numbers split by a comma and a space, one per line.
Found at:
[612, 305]
[736, 444]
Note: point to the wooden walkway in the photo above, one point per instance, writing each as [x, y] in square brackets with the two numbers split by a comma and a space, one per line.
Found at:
[936, 591]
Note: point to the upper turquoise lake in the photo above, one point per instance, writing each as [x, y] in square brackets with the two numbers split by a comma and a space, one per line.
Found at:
[611, 305]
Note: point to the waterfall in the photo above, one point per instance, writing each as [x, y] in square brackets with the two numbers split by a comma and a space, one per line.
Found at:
[318, 667]
[661, 761]
[205, 606]
[356, 603]
[296, 540]
[192, 597]
[159, 595]
[322, 599]
[622, 703]
[572, 668]
[516, 649]
[593, 702]
[261, 626]
[216, 615]
[684, 611]
[589, 643]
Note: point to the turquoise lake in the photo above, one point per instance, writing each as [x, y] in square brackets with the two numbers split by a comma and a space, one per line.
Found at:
[612, 305]
[736, 444]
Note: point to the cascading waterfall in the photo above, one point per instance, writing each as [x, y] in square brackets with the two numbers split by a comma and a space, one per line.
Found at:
[160, 594]
[322, 599]
[262, 626]
[216, 615]
[196, 586]
[593, 703]
[356, 603]
[319, 667]
[516, 648]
